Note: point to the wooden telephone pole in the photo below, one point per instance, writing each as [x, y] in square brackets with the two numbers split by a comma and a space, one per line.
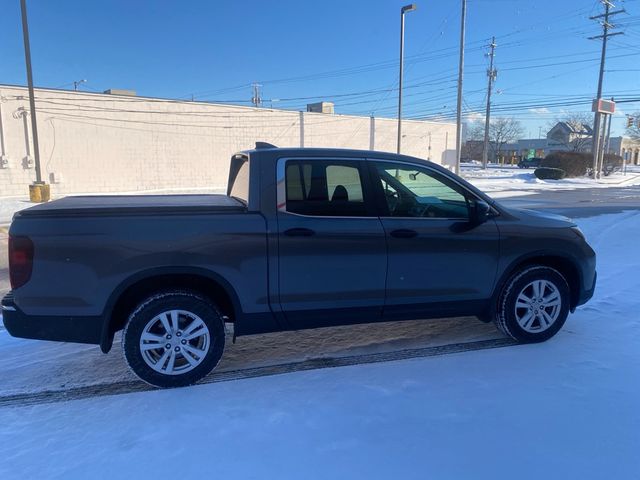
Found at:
[606, 26]
[492, 73]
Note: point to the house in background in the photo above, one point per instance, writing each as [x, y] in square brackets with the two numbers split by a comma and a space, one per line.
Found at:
[562, 137]
[570, 136]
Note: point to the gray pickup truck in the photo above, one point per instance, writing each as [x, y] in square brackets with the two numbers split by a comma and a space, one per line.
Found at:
[304, 238]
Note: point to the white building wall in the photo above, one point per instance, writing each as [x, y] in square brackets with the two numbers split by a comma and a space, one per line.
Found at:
[106, 143]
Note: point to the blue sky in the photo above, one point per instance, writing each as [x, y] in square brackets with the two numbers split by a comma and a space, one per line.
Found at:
[345, 51]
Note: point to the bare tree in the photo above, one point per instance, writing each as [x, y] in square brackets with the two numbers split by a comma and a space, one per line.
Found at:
[472, 148]
[634, 130]
[475, 131]
[503, 131]
[579, 122]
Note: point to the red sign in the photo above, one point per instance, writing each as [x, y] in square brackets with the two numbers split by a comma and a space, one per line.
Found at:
[604, 106]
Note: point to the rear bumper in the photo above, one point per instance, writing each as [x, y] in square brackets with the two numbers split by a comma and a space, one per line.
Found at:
[55, 328]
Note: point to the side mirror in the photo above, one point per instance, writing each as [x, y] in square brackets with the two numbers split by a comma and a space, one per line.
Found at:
[480, 212]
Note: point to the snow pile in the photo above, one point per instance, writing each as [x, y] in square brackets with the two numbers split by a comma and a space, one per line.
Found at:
[11, 205]
[567, 408]
[513, 181]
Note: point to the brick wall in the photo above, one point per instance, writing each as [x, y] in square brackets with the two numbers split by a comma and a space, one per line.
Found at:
[105, 143]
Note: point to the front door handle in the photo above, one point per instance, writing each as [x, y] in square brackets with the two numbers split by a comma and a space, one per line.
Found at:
[299, 232]
[404, 233]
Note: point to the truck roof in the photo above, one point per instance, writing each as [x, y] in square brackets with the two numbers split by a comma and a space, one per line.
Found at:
[263, 147]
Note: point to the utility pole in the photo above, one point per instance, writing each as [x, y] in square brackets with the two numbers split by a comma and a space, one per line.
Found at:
[256, 99]
[32, 101]
[606, 26]
[460, 77]
[492, 74]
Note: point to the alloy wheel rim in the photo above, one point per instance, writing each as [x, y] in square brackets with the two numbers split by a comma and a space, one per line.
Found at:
[538, 306]
[174, 342]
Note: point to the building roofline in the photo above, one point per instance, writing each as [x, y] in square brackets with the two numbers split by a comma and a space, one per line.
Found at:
[142, 98]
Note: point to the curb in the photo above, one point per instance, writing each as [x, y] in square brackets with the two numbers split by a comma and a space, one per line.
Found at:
[628, 179]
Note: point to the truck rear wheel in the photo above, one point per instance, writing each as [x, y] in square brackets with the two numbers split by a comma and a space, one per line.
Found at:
[173, 339]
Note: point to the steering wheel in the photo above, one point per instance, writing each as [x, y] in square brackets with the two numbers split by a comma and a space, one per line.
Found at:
[422, 210]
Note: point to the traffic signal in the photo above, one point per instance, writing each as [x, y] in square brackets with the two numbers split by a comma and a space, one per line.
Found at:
[629, 121]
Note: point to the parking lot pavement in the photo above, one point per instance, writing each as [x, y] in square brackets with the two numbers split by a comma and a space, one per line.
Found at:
[579, 203]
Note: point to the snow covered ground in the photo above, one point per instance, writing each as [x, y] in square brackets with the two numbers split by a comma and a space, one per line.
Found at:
[567, 408]
[511, 181]
[36, 366]
[10, 205]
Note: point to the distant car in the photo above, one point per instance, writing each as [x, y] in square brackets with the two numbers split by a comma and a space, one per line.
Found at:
[610, 168]
[530, 162]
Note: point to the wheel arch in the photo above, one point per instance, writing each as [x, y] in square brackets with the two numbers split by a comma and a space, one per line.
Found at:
[135, 288]
[563, 263]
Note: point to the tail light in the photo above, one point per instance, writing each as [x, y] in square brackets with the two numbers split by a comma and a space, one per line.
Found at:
[20, 260]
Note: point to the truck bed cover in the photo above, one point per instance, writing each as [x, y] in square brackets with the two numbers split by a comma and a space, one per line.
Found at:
[135, 205]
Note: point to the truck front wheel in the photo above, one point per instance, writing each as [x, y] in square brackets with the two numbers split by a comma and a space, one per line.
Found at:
[534, 304]
[173, 339]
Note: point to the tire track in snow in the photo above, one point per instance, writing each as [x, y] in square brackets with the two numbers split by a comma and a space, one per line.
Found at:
[119, 388]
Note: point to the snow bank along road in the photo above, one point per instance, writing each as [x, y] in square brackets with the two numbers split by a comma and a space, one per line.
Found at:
[501, 181]
[567, 408]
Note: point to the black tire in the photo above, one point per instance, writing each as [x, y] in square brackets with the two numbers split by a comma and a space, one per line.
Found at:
[153, 306]
[506, 318]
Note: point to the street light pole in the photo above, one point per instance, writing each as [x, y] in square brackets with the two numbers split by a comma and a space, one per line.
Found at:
[406, 8]
[460, 75]
[32, 101]
[77, 83]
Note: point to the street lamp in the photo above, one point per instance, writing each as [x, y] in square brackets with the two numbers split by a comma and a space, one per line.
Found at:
[405, 9]
[77, 83]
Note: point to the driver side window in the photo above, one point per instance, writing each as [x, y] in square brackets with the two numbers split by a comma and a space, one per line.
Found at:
[412, 191]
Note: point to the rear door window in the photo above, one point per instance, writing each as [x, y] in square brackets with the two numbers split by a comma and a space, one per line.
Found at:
[325, 188]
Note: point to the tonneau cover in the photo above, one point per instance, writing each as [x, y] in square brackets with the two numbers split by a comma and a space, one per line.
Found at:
[135, 205]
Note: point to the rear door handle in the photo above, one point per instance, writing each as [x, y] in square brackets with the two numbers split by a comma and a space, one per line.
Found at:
[404, 233]
[299, 232]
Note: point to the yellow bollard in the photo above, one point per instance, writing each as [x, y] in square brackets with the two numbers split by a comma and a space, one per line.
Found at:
[35, 195]
[39, 192]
